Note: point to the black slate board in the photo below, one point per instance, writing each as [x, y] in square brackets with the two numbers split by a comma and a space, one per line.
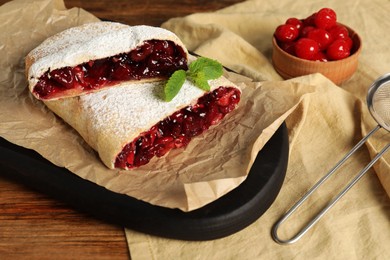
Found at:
[225, 216]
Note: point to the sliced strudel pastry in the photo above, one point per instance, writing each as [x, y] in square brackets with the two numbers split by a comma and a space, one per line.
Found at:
[130, 124]
[98, 55]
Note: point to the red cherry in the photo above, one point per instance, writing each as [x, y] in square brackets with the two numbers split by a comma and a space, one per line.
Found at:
[64, 77]
[98, 69]
[309, 21]
[305, 31]
[339, 32]
[295, 22]
[321, 36]
[141, 52]
[44, 87]
[320, 56]
[121, 71]
[338, 50]
[349, 42]
[306, 48]
[325, 18]
[286, 33]
[288, 47]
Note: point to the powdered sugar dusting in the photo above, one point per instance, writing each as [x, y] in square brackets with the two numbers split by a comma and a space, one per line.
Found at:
[111, 118]
[89, 42]
[134, 108]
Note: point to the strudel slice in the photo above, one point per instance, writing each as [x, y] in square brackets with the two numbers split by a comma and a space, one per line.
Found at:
[98, 55]
[130, 124]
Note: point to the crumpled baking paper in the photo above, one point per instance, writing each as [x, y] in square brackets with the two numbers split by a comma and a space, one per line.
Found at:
[209, 167]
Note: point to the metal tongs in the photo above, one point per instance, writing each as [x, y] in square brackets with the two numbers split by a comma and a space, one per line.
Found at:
[378, 102]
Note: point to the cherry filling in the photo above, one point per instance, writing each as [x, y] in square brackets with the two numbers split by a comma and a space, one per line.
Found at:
[177, 130]
[155, 58]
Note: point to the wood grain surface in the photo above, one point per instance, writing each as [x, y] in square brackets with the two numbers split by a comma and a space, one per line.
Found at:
[146, 11]
[35, 226]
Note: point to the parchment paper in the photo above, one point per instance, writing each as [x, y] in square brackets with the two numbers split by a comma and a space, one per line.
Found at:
[209, 167]
[324, 122]
[325, 125]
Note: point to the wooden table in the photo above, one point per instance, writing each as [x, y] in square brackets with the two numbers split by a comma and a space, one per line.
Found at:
[35, 226]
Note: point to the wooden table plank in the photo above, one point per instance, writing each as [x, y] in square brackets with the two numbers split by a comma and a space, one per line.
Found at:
[147, 12]
[35, 226]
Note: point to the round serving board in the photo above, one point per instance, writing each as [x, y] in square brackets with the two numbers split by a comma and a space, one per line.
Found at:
[225, 216]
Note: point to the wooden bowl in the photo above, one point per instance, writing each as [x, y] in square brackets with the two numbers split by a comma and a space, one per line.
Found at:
[289, 66]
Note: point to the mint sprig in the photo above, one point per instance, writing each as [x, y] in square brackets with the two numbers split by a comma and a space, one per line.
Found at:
[199, 72]
[205, 68]
[171, 87]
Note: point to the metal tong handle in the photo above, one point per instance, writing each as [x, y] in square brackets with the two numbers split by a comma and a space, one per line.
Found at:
[303, 231]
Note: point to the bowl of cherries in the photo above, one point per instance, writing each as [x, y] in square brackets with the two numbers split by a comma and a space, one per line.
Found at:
[316, 44]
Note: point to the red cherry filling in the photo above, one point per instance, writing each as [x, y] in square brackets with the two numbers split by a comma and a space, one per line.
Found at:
[177, 130]
[155, 58]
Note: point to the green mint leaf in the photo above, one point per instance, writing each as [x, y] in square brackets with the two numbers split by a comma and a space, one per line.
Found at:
[211, 69]
[213, 72]
[201, 81]
[199, 71]
[174, 84]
